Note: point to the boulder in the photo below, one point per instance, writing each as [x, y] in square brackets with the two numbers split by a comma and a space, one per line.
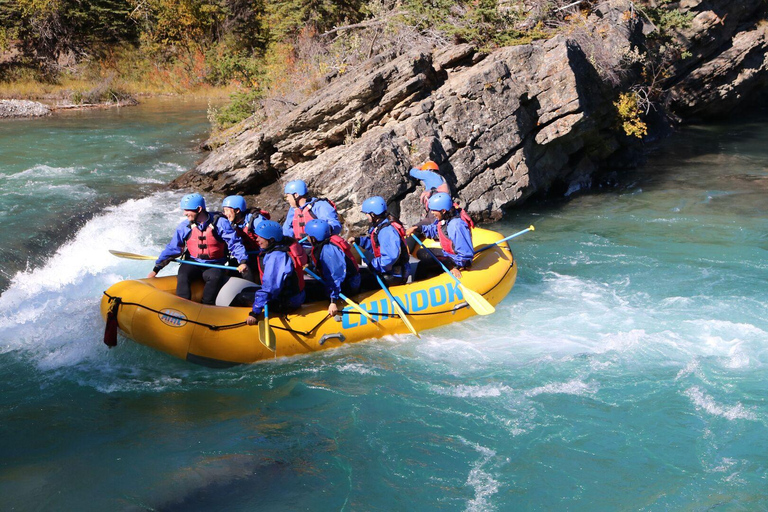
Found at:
[522, 120]
[22, 108]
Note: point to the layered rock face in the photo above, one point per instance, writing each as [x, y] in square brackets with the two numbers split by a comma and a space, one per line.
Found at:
[522, 120]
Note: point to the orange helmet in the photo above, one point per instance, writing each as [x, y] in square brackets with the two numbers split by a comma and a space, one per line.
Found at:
[429, 165]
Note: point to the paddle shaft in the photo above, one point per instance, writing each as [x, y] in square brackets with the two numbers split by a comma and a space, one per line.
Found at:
[132, 256]
[510, 237]
[436, 259]
[201, 264]
[352, 303]
[378, 277]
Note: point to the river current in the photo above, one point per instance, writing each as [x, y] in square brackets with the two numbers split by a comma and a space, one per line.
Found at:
[626, 370]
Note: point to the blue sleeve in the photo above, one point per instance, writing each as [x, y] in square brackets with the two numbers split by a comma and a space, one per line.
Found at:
[277, 267]
[230, 236]
[430, 230]
[389, 244]
[461, 235]
[288, 224]
[428, 178]
[324, 210]
[176, 246]
[365, 243]
[334, 268]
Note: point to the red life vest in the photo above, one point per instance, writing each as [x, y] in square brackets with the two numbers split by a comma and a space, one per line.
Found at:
[341, 244]
[444, 188]
[206, 244]
[442, 233]
[246, 232]
[296, 281]
[303, 215]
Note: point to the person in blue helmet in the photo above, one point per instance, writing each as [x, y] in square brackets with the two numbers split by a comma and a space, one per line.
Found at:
[304, 208]
[432, 181]
[204, 237]
[280, 273]
[385, 244]
[454, 233]
[331, 258]
[243, 221]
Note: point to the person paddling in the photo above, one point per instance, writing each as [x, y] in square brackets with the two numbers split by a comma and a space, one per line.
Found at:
[303, 209]
[331, 258]
[280, 273]
[386, 241]
[205, 237]
[454, 233]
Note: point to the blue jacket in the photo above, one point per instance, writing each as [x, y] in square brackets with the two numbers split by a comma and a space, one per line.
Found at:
[278, 268]
[321, 209]
[460, 235]
[333, 269]
[389, 248]
[223, 229]
[429, 179]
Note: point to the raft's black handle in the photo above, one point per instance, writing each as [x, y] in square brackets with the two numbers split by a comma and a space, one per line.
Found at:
[336, 335]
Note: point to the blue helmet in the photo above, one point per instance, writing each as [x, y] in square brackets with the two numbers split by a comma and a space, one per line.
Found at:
[269, 229]
[440, 201]
[234, 202]
[318, 229]
[192, 202]
[375, 205]
[296, 187]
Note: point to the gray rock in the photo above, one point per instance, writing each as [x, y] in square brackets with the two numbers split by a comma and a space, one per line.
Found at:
[22, 108]
[521, 120]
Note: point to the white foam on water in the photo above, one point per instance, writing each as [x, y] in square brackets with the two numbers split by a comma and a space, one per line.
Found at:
[357, 368]
[480, 480]
[468, 391]
[706, 403]
[52, 312]
[572, 387]
[42, 171]
[77, 191]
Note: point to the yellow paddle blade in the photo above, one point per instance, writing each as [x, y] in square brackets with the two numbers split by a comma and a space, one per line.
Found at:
[401, 314]
[267, 335]
[477, 301]
[360, 310]
[132, 256]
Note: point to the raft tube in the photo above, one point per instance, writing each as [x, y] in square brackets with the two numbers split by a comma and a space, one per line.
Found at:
[150, 313]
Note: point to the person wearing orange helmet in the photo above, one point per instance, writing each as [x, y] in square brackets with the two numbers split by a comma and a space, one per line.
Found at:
[432, 181]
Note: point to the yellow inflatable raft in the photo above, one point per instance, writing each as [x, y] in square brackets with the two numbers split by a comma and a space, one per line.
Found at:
[149, 313]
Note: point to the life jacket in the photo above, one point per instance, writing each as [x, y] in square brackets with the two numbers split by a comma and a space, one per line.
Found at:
[295, 283]
[246, 232]
[404, 257]
[303, 215]
[461, 211]
[206, 244]
[317, 250]
[442, 233]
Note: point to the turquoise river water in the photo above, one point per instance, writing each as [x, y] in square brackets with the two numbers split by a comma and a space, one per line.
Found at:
[626, 370]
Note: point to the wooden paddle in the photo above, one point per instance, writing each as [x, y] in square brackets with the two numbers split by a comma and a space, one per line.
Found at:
[474, 299]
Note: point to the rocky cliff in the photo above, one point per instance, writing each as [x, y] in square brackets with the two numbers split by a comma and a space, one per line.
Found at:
[523, 120]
